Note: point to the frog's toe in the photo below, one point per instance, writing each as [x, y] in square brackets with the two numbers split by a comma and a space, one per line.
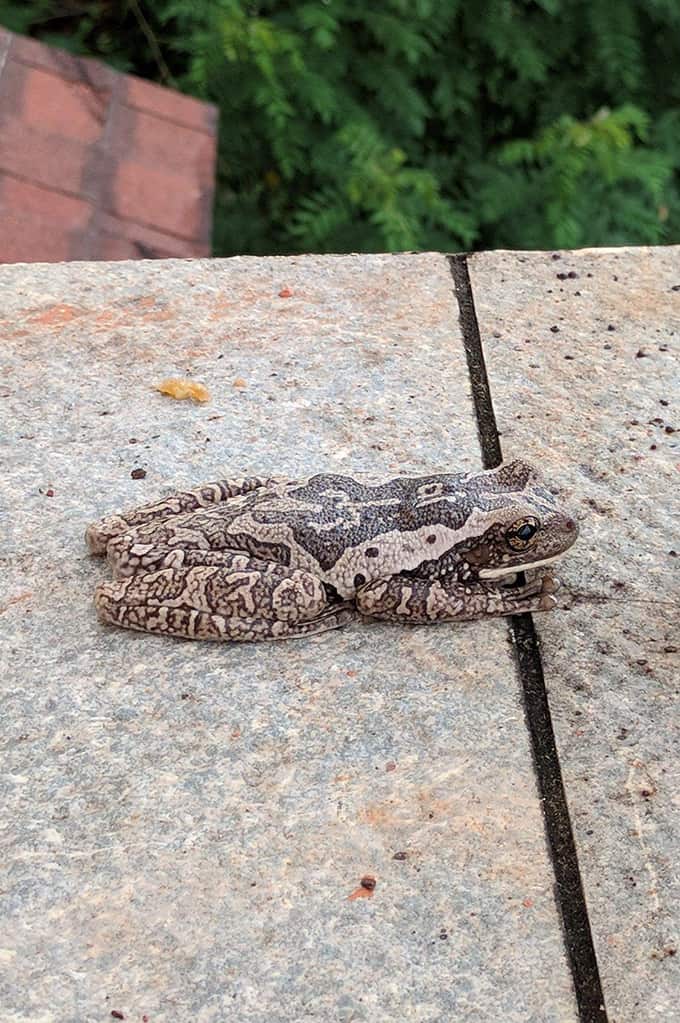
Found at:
[546, 602]
[539, 593]
[550, 584]
[98, 535]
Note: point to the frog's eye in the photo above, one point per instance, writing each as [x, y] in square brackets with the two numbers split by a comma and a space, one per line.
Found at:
[521, 533]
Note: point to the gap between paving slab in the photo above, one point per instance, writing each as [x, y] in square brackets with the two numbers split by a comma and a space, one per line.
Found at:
[583, 357]
[569, 888]
[186, 822]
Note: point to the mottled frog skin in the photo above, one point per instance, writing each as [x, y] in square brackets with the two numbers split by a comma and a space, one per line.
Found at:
[260, 558]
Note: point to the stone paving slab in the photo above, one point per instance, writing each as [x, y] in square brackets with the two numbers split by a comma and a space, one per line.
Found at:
[583, 355]
[184, 824]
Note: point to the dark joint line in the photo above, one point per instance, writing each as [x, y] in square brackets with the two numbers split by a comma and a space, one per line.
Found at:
[568, 884]
[481, 394]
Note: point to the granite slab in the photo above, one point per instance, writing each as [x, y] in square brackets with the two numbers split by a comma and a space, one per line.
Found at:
[583, 356]
[186, 826]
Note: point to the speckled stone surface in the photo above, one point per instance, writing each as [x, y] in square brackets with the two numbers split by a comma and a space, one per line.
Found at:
[583, 355]
[184, 824]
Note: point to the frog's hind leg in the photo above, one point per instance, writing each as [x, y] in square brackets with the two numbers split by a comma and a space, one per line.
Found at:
[126, 555]
[98, 535]
[239, 602]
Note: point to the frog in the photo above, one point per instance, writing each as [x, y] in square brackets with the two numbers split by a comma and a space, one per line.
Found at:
[267, 558]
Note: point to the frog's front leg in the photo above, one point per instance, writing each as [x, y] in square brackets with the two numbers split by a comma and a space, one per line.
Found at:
[238, 599]
[98, 535]
[401, 599]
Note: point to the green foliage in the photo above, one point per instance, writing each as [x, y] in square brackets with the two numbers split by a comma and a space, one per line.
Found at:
[413, 124]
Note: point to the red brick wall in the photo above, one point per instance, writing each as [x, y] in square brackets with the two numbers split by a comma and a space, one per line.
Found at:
[99, 165]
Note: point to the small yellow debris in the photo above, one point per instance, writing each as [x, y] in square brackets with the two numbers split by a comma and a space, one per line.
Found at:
[239, 382]
[179, 389]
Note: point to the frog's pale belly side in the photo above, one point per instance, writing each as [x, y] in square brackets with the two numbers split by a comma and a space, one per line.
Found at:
[215, 562]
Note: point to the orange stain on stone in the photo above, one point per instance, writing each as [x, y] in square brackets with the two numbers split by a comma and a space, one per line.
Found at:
[360, 893]
[106, 318]
[365, 889]
[16, 600]
[221, 307]
[57, 315]
[158, 316]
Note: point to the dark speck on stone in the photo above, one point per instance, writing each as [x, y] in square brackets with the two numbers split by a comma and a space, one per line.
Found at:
[672, 554]
[569, 357]
[663, 401]
[572, 274]
[400, 856]
[138, 474]
[675, 287]
[640, 354]
[116, 1014]
[611, 327]
[607, 347]
[555, 330]
[556, 255]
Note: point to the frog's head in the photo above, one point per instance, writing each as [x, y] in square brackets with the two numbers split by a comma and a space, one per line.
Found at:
[527, 529]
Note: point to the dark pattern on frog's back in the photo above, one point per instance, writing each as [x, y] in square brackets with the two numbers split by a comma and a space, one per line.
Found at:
[328, 514]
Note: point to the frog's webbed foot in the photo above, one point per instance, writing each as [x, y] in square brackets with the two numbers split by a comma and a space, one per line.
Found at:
[98, 535]
[420, 601]
[241, 602]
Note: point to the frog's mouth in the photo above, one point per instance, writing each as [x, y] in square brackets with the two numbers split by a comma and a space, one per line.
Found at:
[499, 573]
